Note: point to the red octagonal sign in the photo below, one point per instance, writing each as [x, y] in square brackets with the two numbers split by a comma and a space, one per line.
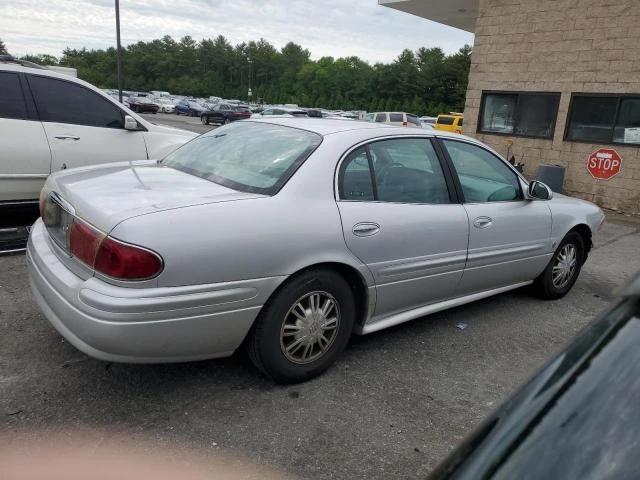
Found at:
[604, 164]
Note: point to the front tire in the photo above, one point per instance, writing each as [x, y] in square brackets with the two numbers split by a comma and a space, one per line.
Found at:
[563, 269]
[304, 327]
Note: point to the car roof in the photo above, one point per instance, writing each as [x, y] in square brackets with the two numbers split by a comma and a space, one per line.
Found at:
[328, 126]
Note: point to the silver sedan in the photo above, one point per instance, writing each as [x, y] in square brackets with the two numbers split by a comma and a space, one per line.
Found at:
[289, 235]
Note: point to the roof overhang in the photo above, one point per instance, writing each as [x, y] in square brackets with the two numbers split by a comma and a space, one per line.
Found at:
[460, 14]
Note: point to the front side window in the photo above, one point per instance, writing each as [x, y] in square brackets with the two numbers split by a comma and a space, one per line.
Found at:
[12, 102]
[249, 157]
[483, 176]
[404, 171]
[604, 119]
[381, 117]
[519, 114]
[66, 102]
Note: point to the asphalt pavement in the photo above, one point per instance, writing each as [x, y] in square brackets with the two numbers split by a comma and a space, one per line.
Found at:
[392, 407]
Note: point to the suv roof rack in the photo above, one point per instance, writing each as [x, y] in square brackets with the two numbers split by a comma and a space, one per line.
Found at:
[24, 63]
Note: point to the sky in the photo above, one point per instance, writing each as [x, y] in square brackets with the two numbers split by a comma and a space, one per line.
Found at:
[336, 28]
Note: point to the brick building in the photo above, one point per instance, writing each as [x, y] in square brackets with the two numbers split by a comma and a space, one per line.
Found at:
[552, 82]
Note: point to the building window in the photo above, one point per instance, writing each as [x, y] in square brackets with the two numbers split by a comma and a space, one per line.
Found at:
[613, 119]
[523, 114]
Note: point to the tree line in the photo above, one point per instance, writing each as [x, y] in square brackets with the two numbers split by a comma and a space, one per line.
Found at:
[425, 82]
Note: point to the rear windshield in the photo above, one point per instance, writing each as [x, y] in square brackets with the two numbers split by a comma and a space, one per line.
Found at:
[445, 120]
[396, 117]
[247, 156]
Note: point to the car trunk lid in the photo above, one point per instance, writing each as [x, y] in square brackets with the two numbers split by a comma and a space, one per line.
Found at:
[104, 197]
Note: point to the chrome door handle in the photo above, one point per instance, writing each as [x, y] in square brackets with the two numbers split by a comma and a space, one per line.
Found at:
[365, 229]
[483, 222]
[68, 135]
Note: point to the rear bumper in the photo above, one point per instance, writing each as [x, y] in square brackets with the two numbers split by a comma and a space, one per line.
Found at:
[142, 325]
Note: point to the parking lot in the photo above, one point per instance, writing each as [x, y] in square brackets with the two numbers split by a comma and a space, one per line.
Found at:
[392, 407]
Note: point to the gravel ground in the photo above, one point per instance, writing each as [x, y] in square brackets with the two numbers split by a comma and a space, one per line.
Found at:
[392, 407]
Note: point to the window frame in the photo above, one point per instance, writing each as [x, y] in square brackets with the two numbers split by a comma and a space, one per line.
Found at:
[518, 94]
[456, 178]
[444, 162]
[99, 94]
[619, 96]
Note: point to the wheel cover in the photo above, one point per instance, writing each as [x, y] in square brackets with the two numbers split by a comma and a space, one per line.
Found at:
[564, 266]
[310, 327]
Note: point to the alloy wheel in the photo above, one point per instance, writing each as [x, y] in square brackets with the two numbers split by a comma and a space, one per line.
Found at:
[565, 265]
[310, 327]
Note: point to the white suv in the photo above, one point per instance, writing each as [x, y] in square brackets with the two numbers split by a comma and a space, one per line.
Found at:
[51, 121]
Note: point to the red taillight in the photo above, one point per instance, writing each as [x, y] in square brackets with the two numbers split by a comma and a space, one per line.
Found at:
[126, 262]
[84, 242]
[110, 257]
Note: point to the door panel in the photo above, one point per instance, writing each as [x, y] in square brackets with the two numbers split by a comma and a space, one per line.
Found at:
[417, 255]
[83, 127]
[25, 159]
[398, 220]
[514, 247]
[509, 237]
[80, 145]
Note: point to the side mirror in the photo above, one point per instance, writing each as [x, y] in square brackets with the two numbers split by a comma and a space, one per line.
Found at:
[130, 123]
[539, 191]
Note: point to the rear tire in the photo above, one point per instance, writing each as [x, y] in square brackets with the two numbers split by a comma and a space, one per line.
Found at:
[563, 269]
[303, 328]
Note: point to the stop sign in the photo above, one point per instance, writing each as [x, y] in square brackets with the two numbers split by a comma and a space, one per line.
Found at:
[604, 164]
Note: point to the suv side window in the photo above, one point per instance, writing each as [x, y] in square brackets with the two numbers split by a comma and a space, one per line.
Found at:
[66, 102]
[483, 176]
[396, 117]
[12, 102]
[381, 117]
[355, 177]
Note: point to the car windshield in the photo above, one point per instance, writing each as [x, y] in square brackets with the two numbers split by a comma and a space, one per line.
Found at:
[247, 156]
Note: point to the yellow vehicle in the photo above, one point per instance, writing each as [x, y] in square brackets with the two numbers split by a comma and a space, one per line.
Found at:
[450, 123]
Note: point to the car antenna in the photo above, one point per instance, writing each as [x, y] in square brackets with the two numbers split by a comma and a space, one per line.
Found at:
[133, 169]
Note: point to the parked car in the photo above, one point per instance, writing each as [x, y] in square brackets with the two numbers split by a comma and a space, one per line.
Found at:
[284, 112]
[189, 107]
[576, 418]
[428, 122]
[143, 105]
[399, 119]
[50, 122]
[165, 105]
[277, 234]
[450, 123]
[225, 113]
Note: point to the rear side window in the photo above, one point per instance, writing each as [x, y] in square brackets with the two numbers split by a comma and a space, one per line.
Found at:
[66, 102]
[396, 117]
[460, 121]
[356, 177]
[445, 120]
[381, 117]
[12, 103]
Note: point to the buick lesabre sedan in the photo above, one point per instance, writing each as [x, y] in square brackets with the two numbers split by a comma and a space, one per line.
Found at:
[289, 235]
